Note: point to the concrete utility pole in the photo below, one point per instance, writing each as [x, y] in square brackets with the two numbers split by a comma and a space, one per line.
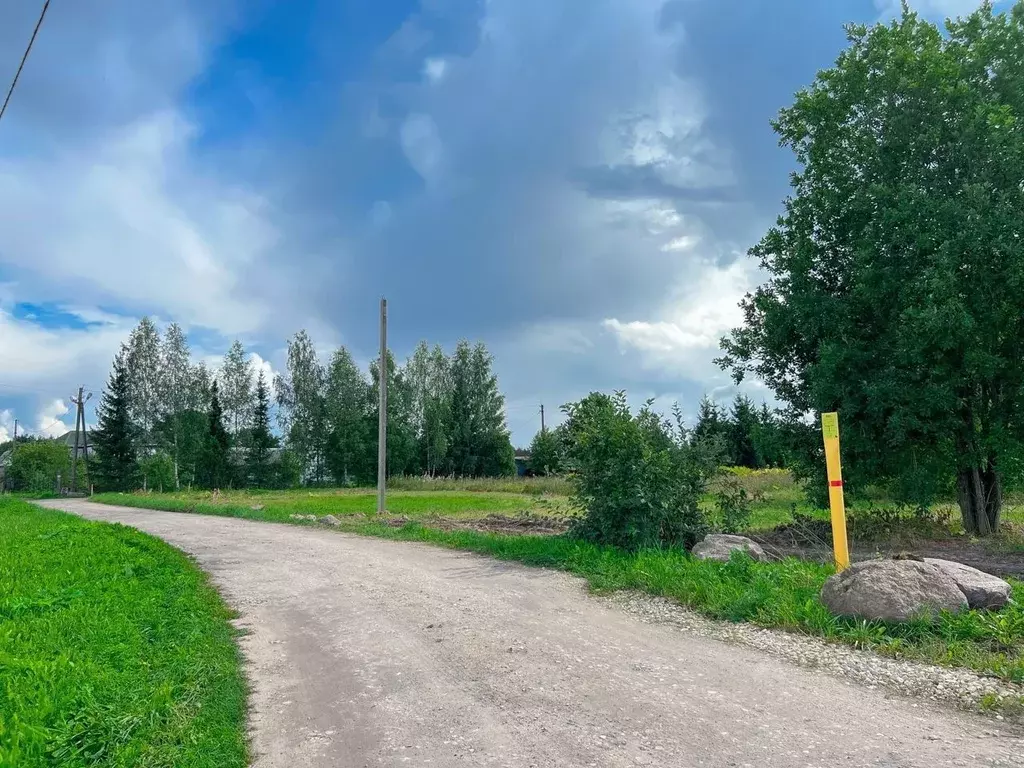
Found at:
[80, 401]
[542, 417]
[382, 420]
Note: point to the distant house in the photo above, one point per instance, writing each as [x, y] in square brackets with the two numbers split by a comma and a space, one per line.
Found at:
[68, 438]
[522, 463]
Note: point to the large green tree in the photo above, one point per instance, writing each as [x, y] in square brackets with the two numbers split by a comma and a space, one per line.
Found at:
[236, 393]
[350, 456]
[479, 439]
[261, 442]
[173, 390]
[215, 468]
[896, 273]
[402, 446]
[302, 411]
[740, 430]
[143, 364]
[115, 466]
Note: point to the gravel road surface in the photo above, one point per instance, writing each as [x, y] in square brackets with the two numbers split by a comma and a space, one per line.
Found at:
[364, 652]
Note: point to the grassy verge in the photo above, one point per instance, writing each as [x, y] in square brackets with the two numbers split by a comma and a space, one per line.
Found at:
[114, 650]
[280, 505]
[533, 486]
[779, 595]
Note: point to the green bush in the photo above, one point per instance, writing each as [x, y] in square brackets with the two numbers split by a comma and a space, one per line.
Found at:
[637, 479]
[36, 465]
[545, 454]
[733, 505]
[158, 472]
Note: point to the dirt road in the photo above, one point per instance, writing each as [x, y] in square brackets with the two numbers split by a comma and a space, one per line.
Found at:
[365, 652]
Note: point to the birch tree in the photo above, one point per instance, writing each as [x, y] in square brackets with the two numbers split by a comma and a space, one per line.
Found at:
[349, 446]
[236, 382]
[302, 405]
[143, 364]
[174, 381]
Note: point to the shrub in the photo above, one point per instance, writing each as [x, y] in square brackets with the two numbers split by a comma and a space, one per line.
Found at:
[158, 472]
[733, 505]
[636, 479]
[35, 467]
[545, 454]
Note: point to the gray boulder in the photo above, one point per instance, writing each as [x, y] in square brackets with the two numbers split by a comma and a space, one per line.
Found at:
[892, 590]
[330, 520]
[981, 589]
[720, 546]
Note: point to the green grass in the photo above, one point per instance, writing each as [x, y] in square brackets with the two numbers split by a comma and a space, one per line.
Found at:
[280, 505]
[114, 650]
[780, 594]
[533, 486]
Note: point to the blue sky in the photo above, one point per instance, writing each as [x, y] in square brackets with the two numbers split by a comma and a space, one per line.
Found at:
[575, 183]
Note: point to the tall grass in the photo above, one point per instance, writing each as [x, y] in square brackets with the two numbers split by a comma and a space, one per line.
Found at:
[114, 650]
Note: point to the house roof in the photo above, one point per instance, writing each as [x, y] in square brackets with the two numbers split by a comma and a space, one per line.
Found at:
[68, 438]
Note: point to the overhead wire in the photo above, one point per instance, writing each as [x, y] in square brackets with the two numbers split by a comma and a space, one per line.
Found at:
[24, 58]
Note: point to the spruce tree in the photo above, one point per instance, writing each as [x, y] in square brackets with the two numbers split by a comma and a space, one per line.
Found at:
[216, 468]
[740, 430]
[115, 467]
[261, 439]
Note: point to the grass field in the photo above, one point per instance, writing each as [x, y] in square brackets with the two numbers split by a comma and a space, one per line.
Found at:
[279, 506]
[779, 594]
[114, 650]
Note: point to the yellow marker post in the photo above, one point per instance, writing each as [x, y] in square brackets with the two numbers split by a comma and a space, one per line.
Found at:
[830, 431]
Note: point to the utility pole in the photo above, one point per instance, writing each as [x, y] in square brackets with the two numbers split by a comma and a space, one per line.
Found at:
[382, 418]
[15, 436]
[542, 417]
[80, 402]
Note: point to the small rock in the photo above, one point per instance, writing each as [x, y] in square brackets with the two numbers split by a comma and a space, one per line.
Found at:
[720, 546]
[330, 520]
[258, 507]
[892, 590]
[981, 589]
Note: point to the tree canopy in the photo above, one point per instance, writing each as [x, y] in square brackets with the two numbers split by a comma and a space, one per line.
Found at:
[896, 270]
[166, 421]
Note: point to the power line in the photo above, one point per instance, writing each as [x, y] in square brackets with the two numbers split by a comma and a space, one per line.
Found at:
[23, 58]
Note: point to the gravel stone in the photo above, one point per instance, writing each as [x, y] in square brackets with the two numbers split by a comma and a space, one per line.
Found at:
[960, 687]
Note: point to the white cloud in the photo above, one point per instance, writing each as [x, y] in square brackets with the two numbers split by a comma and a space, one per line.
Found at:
[664, 132]
[434, 69]
[124, 221]
[49, 423]
[6, 425]
[422, 145]
[682, 243]
[45, 362]
[259, 364]
[686, 335]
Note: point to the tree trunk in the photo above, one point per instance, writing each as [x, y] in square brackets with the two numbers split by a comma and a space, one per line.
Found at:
[980, 496]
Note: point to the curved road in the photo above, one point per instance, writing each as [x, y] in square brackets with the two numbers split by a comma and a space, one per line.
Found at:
[364, 652]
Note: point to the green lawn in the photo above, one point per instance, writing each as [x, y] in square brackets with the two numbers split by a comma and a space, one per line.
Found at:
[779, 594]
[280, 505]
[114, 650]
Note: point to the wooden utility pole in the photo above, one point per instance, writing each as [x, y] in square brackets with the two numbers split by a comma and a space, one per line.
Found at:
[382, 419]
[80, 402]
[542, 417]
